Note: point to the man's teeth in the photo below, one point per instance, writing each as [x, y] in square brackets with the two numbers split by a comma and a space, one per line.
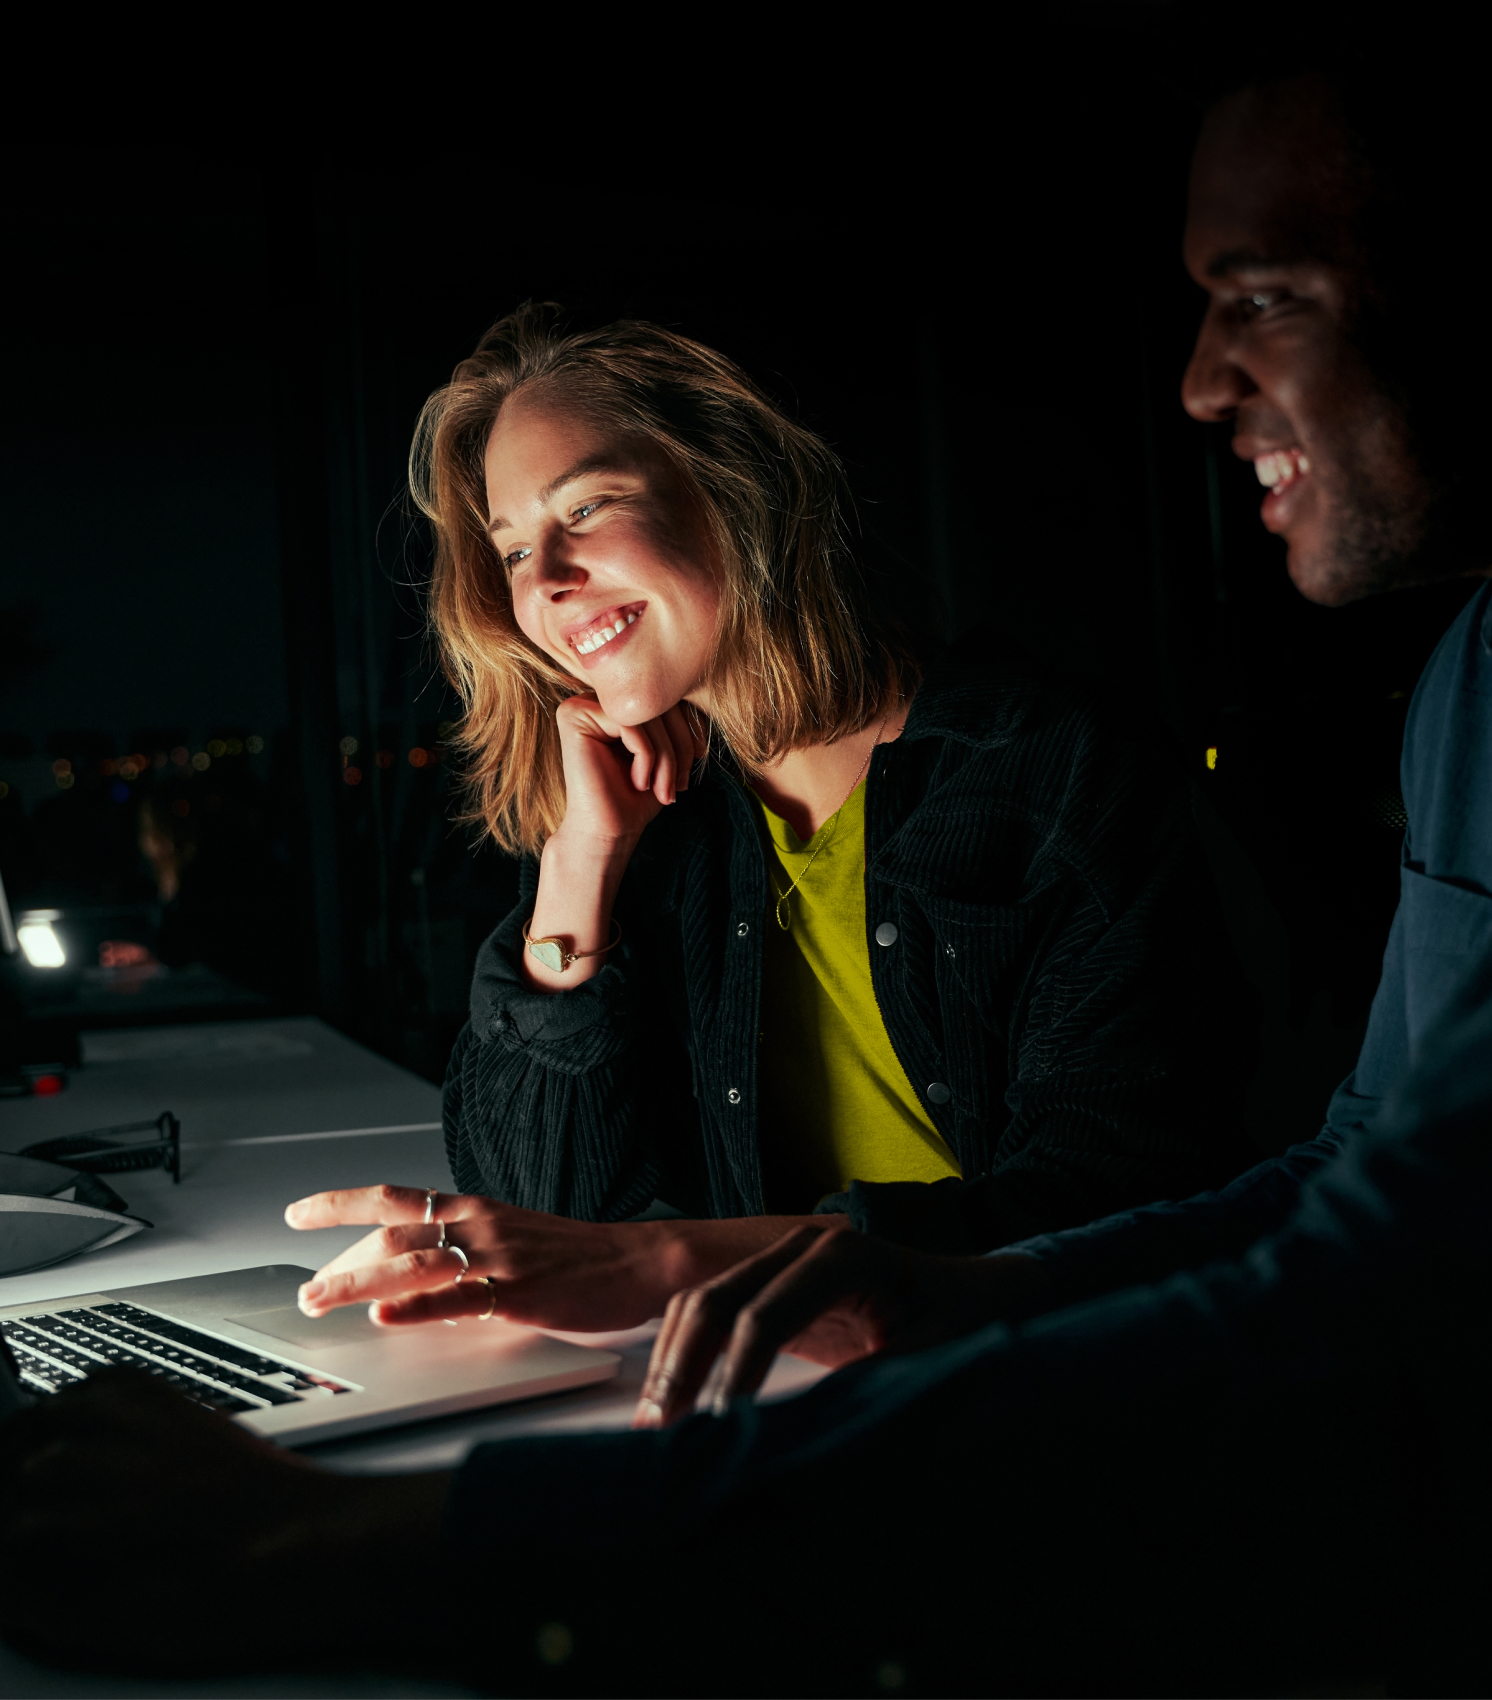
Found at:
[592, 641]
[1280, 468]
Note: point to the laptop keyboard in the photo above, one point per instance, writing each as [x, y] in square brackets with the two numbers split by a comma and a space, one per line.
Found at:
[64, 1346]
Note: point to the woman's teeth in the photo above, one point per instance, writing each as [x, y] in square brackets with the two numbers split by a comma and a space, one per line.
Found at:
[1280, 468]
[592, 641]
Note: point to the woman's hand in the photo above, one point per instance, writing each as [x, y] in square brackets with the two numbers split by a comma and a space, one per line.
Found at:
[618, 777]
[828, 1297]
[546, 1271]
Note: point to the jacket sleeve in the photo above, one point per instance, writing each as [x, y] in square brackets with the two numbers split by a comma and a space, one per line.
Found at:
[1092, 1025]
[561, 1101]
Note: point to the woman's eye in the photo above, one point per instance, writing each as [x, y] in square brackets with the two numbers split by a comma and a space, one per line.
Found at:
[584, 511]
[512, 560]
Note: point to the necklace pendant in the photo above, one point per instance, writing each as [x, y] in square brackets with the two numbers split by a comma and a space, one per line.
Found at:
[785, 911]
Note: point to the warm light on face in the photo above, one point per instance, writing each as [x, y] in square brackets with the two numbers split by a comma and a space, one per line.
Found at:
[40, 945]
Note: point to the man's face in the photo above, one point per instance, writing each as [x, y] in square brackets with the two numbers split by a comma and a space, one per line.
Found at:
[1271, 235]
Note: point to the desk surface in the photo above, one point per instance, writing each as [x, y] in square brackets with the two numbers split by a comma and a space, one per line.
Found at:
[227, 1080]
[271, 1111]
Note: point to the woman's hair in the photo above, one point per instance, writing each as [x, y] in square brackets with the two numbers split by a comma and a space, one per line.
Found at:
[800, 655]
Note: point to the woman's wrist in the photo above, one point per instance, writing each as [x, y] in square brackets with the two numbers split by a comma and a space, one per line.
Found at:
[578, 881]
[688, 1252]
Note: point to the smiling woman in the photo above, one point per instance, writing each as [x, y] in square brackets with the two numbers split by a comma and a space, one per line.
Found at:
[651, 455]
[921, 948]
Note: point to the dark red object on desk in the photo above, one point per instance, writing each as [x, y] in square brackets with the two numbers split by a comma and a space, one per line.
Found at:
[34, 1080]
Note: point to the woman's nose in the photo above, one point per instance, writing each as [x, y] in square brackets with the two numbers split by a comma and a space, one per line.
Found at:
[1214, 384]
[555, 575]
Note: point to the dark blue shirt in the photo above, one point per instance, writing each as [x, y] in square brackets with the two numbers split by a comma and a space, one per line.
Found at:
[1441, 934]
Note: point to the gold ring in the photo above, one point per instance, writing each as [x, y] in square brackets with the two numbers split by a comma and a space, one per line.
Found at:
[430, 1196]
[491, 1287]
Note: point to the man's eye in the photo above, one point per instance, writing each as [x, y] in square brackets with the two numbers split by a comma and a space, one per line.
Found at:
[584, 511]
[512, 560]
[1260, 302]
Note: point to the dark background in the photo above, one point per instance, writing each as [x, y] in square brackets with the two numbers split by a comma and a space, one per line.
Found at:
[214, 357]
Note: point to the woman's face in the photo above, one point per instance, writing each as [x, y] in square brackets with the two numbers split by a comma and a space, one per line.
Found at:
[607, 557]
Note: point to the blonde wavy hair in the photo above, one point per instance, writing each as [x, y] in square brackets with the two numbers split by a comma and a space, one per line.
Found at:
[800, 658]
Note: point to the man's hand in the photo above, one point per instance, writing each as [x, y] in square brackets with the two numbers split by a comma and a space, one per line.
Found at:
[141, 1532]
[829, 1297]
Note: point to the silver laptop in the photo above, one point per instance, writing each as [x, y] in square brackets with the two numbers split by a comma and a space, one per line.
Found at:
[238, 1343]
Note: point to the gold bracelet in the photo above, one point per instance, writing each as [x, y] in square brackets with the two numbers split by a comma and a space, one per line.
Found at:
[554, 956]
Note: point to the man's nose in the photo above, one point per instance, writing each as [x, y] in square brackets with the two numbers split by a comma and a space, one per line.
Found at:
[1214, 384]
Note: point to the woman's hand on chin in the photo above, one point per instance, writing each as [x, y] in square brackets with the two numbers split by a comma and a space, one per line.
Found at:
[546, 1271]
[618, 777]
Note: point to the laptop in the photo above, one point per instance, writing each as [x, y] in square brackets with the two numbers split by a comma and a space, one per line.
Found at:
[238, 1343]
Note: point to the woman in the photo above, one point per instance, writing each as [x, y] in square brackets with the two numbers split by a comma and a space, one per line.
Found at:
[921, 950]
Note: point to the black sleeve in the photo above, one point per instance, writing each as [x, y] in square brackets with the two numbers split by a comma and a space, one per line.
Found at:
[568, 1102]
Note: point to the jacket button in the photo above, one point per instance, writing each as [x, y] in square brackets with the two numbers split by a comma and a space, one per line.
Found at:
[742, 928]
[886, 933]
[938, 1093]
[734, 1097]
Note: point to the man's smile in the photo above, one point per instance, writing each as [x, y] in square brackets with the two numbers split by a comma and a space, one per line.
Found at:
[1285, 474]
[1280, 467]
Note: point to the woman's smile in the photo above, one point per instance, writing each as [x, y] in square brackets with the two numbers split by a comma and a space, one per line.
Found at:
[599, 633]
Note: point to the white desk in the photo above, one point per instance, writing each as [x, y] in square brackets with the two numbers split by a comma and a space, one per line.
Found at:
[272, 1111]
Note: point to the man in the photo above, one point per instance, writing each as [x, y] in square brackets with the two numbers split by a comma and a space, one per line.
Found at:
[1263, 1469]
[1329, 343]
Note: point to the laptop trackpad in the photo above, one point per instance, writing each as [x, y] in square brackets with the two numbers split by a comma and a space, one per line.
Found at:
[348, 1326]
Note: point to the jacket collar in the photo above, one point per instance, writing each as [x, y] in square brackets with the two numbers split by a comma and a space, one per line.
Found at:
[980, 703]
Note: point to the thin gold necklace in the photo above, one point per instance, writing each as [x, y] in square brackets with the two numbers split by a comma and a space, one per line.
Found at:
[784, 909]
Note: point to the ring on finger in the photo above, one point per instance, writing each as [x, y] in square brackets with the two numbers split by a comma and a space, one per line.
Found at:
[440, 1244]
[491, 1286]
[430, 1196]
[465, 1264]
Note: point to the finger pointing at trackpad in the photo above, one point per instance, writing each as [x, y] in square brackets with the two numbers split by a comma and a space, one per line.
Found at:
[347, 1327]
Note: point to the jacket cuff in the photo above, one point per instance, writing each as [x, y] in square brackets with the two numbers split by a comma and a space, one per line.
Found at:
[506, 1008]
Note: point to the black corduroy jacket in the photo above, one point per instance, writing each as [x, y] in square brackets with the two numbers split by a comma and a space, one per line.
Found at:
[1059, 990]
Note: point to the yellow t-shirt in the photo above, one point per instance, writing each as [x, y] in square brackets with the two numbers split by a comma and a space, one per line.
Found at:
[836, 1105]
